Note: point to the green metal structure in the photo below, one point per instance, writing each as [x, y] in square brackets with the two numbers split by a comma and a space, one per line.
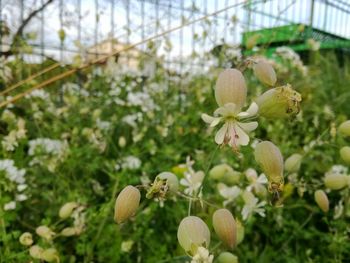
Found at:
[330, 28]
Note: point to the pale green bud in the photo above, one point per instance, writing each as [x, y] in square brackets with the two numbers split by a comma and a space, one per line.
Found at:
[344, 128]
[68, 231]
[279, 102]
[50, 255]
[322, 200]
[126, 204]
[224, 173]
[345, 154]
[122, 141]
[67, 209]
[44, 232]
[171, 180]
[193, 233]
[270, 159]
[292, 163]
[231, 88]
[225, 227]
[335, 181]
[26, 239]
[36, 251]
[265, 73]
[227, 257]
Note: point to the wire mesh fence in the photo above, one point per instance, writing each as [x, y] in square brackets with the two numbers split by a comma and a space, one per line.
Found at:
[37, 30]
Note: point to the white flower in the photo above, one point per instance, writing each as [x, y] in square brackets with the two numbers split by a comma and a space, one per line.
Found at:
[131, 163]
[10, 206]
[202, 256]
[126, 246]
[234, 131]
[229, 193]
[338, 210]
[193, 181]
[256, 183]
[251, 205]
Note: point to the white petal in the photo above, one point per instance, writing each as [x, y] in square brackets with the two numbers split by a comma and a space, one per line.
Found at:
[207, 118]
[227, 109]
[220, 135]
[262, 179]
[243, 138]
[215, 122]
[248, 126]
[251, 111]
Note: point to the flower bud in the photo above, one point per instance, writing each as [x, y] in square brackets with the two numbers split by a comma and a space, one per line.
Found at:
[193, 233]
[67, 209]
[225, 227]
[50, 255]
[231, 88]
[26, 239]
[292, 164]
[68, 231]
[122, 141]
[227, 257]
[265, 73]
[126, 204]
[322, 200]
[36, 251]
[240, 231]
[252, 41]
[269, 157]
[344, 128]
[44, 232]
[224, 173]
[335, 181]
[171, 179]
[279, 102]
[345, 154]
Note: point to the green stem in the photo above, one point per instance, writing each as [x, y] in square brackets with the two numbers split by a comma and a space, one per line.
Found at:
[3, 228]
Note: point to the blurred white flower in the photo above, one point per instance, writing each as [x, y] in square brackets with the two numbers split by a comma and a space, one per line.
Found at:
[126, 246]
[192, 180]
[10, 206]
[338, 210]
[229, 193]
[234, 131]
[256, 184]
[202, 256]
[252, 205]
[131, 163]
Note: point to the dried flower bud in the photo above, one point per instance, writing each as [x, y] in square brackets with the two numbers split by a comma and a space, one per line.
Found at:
[50, 255]
[68, 231]
[36, 251]
[344, 128]
[225, 227]
[269, 157]
[126, 204]
[67, 209]
[292, 164]
[193, 233]
[231, 88]
[265, 73]
[224, 173]
[227, 257]
[26, 239]
[171, 180]
[335, 181]
[322, 200]
[345, 154]
[45, 232]
[279, 102]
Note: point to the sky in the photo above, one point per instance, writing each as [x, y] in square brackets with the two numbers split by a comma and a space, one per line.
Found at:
[140, 17]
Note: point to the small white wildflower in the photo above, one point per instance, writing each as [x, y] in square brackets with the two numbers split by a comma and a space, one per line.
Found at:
[256, 183]
[131, 163]
[252, 205]
[126, 246]
[229, 193]
[234, 131]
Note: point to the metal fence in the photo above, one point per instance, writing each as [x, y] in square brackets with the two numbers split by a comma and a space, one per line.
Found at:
[65, 28]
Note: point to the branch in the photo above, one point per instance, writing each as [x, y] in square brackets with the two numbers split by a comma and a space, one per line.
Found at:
[21, 28]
